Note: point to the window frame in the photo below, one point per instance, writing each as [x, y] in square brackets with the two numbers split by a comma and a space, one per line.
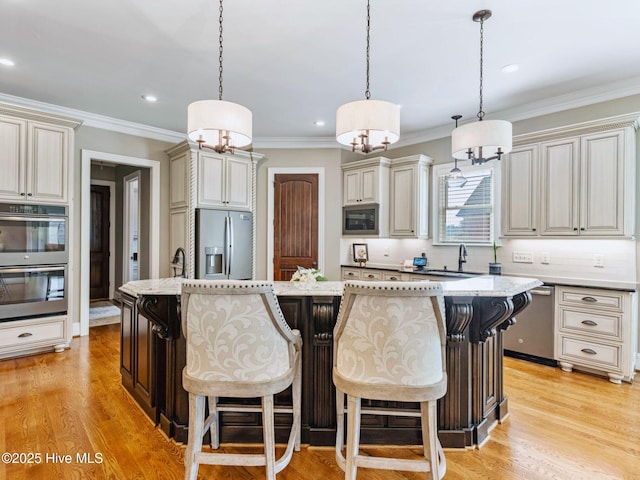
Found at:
[496, 210]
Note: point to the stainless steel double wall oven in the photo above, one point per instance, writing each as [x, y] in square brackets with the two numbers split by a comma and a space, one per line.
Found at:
[33, 260]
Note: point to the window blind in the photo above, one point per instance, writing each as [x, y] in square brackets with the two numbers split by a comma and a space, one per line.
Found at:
[466, 212]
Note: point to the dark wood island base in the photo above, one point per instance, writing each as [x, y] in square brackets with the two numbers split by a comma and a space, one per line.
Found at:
[153, 355]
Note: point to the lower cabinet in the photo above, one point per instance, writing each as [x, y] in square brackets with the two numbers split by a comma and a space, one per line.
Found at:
[34, 335]
[372, 274]
[138, 356]
[596, 330]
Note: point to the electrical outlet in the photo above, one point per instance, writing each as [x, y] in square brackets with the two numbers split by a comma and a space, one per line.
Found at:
[545, 258]
[522, 257]
[386, 251]
[598, 260]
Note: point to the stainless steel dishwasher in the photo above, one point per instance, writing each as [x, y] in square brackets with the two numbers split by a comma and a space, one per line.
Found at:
[532, 336]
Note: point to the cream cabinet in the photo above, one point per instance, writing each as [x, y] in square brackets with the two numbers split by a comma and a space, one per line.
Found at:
[36, 157]
[224, 181]
[365, 181]
[373, 274]
[34, 335]
[572, 182]
[596, 330]
[409, 197]
[521, 192]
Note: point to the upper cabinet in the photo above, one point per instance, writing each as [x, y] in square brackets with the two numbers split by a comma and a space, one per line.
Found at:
[365, 181]
[224, 181]
[409, 197]
[569, 185]
[36, 150]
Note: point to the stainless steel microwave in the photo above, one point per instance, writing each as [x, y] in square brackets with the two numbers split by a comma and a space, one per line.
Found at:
[361, 220]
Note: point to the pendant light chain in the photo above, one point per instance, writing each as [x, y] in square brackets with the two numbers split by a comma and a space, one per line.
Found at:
[367, 93]
[220, 55]
[480, 111]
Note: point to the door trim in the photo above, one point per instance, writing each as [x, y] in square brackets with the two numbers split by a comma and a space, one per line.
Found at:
[272, 172]
[126, 223]
[81, 280]
[112, 232]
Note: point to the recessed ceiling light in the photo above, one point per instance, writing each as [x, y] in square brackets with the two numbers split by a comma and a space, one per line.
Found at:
[150, 98]
[512, 67]
[319, 123]
[6, 62]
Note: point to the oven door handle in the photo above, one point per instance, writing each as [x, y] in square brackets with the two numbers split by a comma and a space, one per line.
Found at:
[32, 269]
[34, 219]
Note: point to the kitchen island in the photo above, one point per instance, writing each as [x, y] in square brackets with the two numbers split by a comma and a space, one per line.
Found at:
[478, 310]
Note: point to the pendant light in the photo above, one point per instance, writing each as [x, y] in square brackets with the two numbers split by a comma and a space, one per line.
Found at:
[368, 125]
[456, 178]
[216, 124]
[485, 137]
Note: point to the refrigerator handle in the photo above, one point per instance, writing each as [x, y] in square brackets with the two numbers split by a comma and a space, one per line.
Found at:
[226, 246]
[230, 258]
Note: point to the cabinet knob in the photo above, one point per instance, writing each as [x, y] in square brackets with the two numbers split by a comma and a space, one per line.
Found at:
[533, 229]
[23, 194]
[582, 228]
[29, 194]
[575, 229]
[393, 278]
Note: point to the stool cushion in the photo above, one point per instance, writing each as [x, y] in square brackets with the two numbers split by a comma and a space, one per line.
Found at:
[232, 338]
[391, 341]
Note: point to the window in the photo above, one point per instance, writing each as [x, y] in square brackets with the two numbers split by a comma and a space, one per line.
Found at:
[468, 213]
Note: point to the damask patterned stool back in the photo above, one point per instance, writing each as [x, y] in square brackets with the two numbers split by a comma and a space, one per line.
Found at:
[238, 345]
[389, 344]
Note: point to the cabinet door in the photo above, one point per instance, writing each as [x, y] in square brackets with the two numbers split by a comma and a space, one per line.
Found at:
[520, 191]
[560, 187]
[143, 377]
[211, 181]
[179, 180]
[47, 164]
[13, 155]
[602, 184]
[179, 230]
[369, 185]
[403, 199]
[126, 339]
[351, 187]
[238, 183]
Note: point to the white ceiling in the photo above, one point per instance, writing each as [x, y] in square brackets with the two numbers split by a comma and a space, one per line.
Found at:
[293, 62]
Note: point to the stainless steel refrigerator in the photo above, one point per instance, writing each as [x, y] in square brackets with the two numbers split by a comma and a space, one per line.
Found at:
[223, 244]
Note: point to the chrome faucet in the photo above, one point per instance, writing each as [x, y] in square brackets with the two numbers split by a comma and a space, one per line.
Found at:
[176, 264]
[462, 256]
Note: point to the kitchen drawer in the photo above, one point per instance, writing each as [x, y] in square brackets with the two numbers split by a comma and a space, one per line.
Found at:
[597, 324]
[351, 274]
[31, 335]
[392, 277]
[613, 301]
[590, 353]
[372, 276]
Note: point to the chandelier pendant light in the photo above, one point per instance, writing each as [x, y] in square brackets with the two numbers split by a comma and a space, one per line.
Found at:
[493, 138]
[216, 124]
[368, 125]
[456, 178]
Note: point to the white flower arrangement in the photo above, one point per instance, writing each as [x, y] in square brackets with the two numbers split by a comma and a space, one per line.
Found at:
[308, 275]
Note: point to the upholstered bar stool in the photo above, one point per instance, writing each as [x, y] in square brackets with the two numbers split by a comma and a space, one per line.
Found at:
[389, 344]
[238, 345]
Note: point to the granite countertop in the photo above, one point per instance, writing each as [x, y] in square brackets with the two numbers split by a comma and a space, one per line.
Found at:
[482, 286]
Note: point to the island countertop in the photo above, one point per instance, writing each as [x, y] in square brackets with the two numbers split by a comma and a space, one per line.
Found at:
[478, 286]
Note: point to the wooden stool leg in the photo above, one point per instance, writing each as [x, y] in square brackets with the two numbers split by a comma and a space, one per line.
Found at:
[353, 436]
[269, 435]
[214, 429]
[196, 427]
[430, 442]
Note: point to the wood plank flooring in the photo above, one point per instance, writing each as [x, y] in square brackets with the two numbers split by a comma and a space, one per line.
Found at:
[562, 426]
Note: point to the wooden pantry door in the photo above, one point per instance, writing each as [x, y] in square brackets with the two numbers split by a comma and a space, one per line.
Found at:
[295, 228]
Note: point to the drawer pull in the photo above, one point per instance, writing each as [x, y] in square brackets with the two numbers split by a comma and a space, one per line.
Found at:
[351, 274]
[589, 351]
[591, 323]
[589, 299]
[393, 278]
[25, 335]
[371, 275]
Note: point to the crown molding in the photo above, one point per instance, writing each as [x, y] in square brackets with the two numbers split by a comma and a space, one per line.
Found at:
[582, 98]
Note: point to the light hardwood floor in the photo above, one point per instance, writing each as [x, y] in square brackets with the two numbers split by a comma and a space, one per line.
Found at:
[562, 426]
